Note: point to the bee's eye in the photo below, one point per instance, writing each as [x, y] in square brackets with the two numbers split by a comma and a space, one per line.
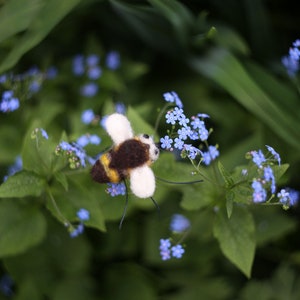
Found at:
[146, 136]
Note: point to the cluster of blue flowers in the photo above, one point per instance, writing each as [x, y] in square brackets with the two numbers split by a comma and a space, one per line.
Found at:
[172, 97]
[116, 189]
[266, 181]
[291, 61]
[75, 151]
[8, 102]
[83, 215]
[179, 224]
[89, 66]
[86, 139]
[167, 251]
[27, 83]
[193, 129]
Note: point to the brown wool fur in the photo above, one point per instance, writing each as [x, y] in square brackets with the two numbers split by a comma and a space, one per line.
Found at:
[98, 173]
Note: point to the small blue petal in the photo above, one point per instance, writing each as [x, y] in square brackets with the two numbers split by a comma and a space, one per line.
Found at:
[94, 73]
[274, 153]
[177, 251]
[294, 196]
[165, 254]
[258, 157]
[120, 108]
[283, 196]
[269, 176]
[178, 144]
[78, 65]
[51, 73]
[44, 133]
[113, 60]
[87, 116]
[77, 231]
[92, 60]
[164, 244]
[89, 89]
[95, 139]
[83, 214]
[83, 141]
[179, 223]
[173, 98]
[166, 142]
[259, 193]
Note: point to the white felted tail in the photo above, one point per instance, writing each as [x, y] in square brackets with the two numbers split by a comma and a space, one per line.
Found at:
[142, 182]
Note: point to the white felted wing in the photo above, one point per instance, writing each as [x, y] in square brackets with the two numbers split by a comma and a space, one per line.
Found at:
[119, 128]
[142, 182]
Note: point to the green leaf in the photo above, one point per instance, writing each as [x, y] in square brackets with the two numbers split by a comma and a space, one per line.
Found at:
[133, 282]
[178, 15]
[57, 254]
[38, 154]
[138, 123]
[283, 284]
[20, 13]
[134, 70]
[77, 197]
[225, 174]
[271, 224]
[146, 22]
[280, 170]
[230, 39]
[229, 203]
[62, 179]
[196, 195]
[22, 184]
[236, 237]
[48, 16]
[48, 108]
[9, 148]
[225, 69]
[21, 227]
[28, 289]
[75, 288]
[279, 90]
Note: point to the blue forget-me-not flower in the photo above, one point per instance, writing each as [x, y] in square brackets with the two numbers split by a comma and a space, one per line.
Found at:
[291, 61]
[184, 129]
[265, 181]
[83, 215]
[116, 189]
[179, 223]
[8, 102]
[113, 60]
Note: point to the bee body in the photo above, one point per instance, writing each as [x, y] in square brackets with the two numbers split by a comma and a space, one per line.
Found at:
[118, 163]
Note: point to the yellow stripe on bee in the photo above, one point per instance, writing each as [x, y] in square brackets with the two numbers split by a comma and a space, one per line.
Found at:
[112, 174]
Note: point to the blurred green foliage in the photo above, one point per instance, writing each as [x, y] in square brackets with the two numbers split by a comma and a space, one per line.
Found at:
[223, 58]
